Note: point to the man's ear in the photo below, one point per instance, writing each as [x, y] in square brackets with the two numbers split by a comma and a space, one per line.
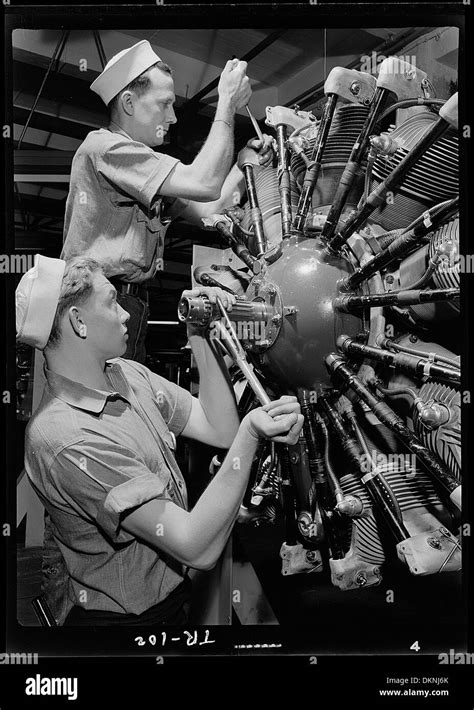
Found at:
[126, 101]
[77, 323]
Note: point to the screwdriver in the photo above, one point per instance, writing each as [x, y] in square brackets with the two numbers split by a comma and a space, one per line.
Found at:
[255, 124]
[252, 117]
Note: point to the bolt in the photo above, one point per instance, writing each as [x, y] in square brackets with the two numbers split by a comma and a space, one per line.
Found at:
[276, 319]
[434, 542]
[413, 338]
[389, 279]
[361, 579]
[355, 88]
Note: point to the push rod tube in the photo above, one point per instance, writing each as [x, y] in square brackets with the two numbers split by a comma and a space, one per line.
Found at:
[353, 166]
[348, 303]
[240, 249]
[423, 225]
[410, 364]
[284, 181]
[312, 172]
[435, 467]
[255, 211]
[373, 484]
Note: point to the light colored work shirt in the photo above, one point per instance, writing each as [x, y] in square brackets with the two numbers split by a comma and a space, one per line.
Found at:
[93, 456]
[114, 213]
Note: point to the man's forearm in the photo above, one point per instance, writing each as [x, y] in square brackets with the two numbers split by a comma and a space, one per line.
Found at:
[231, 194]
[214, 514]
[215, 391]
[197, 538]
[214, 160]
[232, 191]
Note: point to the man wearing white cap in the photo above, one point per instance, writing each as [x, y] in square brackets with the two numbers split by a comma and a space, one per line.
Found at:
[123, 194]
[99, 451]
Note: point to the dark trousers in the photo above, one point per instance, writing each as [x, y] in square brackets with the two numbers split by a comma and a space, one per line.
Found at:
[137, 326]
[172, 611]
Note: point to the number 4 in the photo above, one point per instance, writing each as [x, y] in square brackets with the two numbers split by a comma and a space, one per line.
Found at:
[415, 646]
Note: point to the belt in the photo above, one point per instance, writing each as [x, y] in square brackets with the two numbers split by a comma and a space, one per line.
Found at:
[129, 289]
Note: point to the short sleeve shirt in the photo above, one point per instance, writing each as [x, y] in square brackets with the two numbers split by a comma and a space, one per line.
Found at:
[114, 213]
[92, 456]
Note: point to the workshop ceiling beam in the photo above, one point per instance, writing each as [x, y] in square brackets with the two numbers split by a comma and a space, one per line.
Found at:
[194, 103]
[44, 161]
[61, 88]
[50, 123]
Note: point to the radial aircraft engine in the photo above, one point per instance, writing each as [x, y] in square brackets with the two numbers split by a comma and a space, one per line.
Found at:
[348, 298]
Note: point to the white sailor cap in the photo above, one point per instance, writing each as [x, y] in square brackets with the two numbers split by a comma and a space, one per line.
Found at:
[123, 68]
[37, 297]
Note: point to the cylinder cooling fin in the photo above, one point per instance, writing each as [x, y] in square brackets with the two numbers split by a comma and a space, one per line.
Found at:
[346, 125]
[266, 181]
[441, 432]
[432, 180]
[447, 276]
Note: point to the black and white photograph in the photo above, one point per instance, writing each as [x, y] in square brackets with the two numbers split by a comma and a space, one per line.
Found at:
[236, 272]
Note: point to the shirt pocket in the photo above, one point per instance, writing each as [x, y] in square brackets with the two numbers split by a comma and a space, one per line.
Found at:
[154, 219]
[143, 241]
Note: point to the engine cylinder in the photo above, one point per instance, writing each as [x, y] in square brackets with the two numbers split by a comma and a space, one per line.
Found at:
[433, 179]
[346, 125]
[266, 184]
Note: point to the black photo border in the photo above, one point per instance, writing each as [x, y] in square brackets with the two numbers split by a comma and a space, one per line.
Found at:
[295, 647]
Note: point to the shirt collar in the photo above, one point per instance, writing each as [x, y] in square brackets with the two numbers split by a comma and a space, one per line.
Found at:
[87, 398]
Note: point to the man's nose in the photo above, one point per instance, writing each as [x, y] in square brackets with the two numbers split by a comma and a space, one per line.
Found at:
[125, 315]
[172, 116]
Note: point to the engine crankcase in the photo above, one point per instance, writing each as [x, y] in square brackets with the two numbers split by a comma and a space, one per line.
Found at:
[307, 281]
